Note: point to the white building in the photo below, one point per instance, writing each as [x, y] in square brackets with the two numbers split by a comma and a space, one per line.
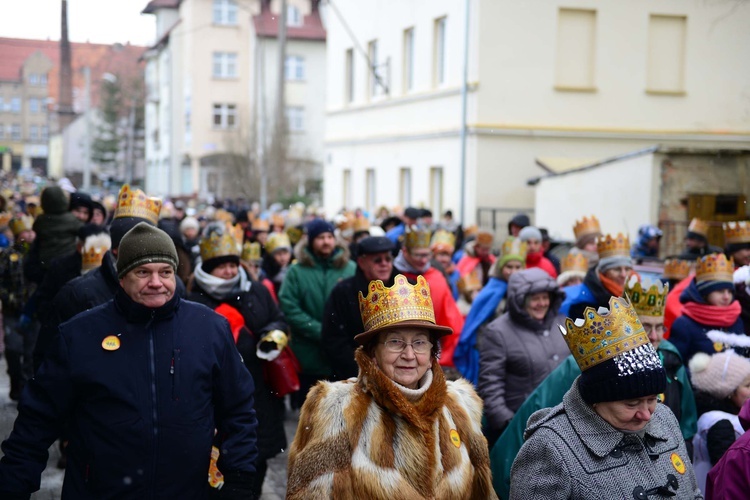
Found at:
[205, 107]
[558, 83]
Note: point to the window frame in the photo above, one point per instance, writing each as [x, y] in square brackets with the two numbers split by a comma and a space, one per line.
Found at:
[224, 61]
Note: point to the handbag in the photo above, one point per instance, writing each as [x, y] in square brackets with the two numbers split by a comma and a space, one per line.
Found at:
[281, 374]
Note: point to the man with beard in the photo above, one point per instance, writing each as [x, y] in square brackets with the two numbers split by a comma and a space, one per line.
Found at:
[341, 318]
[321, 264]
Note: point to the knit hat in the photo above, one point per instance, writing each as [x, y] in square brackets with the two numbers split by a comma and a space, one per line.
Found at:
[145, 244]
[719, 374]
[189, 223]
[530, 233]
[617, 360]
[81, 199]
[520, 220]
[54, 200]
[316, 227]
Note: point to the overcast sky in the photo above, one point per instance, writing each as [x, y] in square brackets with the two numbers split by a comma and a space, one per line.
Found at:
[98, 21]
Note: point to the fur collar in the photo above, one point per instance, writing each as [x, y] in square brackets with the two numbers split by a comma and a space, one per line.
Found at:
[305, 257]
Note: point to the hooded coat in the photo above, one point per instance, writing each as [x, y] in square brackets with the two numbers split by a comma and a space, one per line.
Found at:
[56, 229]
[590, 293]
[372, 438]
[517, 352]
[729, 478]
[307, 285]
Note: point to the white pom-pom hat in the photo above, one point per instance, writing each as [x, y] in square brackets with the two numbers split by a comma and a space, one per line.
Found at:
[719, 374]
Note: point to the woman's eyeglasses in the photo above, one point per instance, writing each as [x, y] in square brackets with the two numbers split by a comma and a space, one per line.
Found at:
[418, 346]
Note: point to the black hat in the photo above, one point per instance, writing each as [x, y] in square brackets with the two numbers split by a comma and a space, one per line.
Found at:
[316, 227]
[95, 205]
[520, 220]
[89, 230]
[412, 213]
[80, 199]
[374, 244]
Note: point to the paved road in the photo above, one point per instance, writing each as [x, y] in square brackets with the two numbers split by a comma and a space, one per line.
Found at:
[274, 487]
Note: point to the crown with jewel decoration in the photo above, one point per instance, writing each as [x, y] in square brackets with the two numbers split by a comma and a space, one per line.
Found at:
[21, 224]
[386, 306]
[417, 238]
[135, 203]
[714, 267]
[698, 226]
[607, 246]
[647, 300]
[737, 232]
[587, 226]
[599, 337]
[93, 251]
[574, 262]
[220, 242]
[676, 269]
[251, 252]
[443, 240]
[277, 241]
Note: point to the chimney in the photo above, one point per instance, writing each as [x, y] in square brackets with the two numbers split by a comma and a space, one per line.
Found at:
[65, 111]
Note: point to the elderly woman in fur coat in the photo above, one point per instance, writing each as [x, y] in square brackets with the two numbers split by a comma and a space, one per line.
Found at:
[399, 430]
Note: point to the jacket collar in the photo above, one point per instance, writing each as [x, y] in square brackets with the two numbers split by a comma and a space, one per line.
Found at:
[598, 436]
[138, 313]
[109, 268]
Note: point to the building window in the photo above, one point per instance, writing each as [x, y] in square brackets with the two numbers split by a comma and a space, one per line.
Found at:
[408, 60]
[370, 192]
[293, 16]
[225, 115]
[44, 132]
[33, 79]
[225, 12]
[576, 50]
[33, 132]
[404, 197]
[436, 189]
[372, 54]
[15, 104]
[43, 79]
[15, 132]
[346, 186]
[665, 72]
[295, 118]
[438, 63]
[349, 75]
[33, 105]
[294, 68]
[225, 65]
[2, 131]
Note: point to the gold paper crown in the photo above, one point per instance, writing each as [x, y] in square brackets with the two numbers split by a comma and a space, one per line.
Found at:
[276, 241]
[361, 224]
[648, 302]
[219, 244]
[514, 246]
[251, 252]
[277, 220]
[222, 215]
[470, 282]
[607, 246]
[443, 239]
[737, 232]
[698, 226]
[93, 251]
[135, 203]
[5, 218]
[385, 306]
[20, 224]
[260, 225]
[485, 238]
[587, 226]
[574, 262]
[294, 233]
[676, 269]
[417, 238]
[714, 267]
[601, 337]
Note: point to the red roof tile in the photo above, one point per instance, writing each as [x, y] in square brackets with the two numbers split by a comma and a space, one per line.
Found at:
[267, 25]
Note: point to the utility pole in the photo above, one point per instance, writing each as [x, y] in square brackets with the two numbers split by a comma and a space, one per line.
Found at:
[280, 122]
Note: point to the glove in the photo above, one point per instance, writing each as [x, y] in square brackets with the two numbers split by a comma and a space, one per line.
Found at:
[237, 486]
[271, 345]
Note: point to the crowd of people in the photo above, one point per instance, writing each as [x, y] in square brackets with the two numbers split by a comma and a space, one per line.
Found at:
[161, 343]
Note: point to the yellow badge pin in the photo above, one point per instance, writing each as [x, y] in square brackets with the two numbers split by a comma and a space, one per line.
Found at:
[455, 438]
[677, 463]
[111, 343]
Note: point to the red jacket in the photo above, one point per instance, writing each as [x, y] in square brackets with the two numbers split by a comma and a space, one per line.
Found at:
[538, 259]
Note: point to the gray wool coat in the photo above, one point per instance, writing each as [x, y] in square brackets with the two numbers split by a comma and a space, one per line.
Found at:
[516, 353]
[571, 452]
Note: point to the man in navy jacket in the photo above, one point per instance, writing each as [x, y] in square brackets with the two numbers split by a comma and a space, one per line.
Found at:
[147, 382]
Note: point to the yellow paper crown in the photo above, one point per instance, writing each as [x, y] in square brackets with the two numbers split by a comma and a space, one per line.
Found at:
[251, 251]
[574, 262]
[135, 203]
[417, 238]
[648, 302]
[361, 224]
[676, 269]
[93, 251]
[5, 218]
[737, 232]
[277, 220]
[698, 226]
[514, 246]
[600, 337]
[276, 241]
[20, 224]
[260, 225]
[485, 238]
[220, 242]
[469, 282]
[443, 239]
[386, 306]
[607, 246]
[714, 267]
[222, 215]
[587, 226]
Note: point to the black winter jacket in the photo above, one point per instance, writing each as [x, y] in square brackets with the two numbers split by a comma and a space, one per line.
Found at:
[141, 417]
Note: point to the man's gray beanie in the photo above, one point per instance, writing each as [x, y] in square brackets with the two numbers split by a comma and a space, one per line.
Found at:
[145, 244]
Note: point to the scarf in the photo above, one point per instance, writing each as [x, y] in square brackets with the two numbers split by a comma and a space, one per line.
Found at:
[612, 286]
[708, 315]
[219, 288]
[403, 266]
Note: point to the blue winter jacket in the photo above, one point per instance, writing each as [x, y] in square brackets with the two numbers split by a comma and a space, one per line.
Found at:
[141, 410]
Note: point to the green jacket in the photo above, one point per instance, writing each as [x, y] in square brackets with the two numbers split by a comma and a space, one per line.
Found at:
[307, 285]
[550, 393]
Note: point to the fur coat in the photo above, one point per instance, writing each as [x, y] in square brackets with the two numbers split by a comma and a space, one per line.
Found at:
[370, 438]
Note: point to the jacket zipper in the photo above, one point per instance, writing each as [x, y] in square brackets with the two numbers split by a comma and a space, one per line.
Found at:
[175, 375]
[152, 358]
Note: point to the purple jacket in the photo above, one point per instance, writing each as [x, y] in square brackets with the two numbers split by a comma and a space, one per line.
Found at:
[730, 477]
